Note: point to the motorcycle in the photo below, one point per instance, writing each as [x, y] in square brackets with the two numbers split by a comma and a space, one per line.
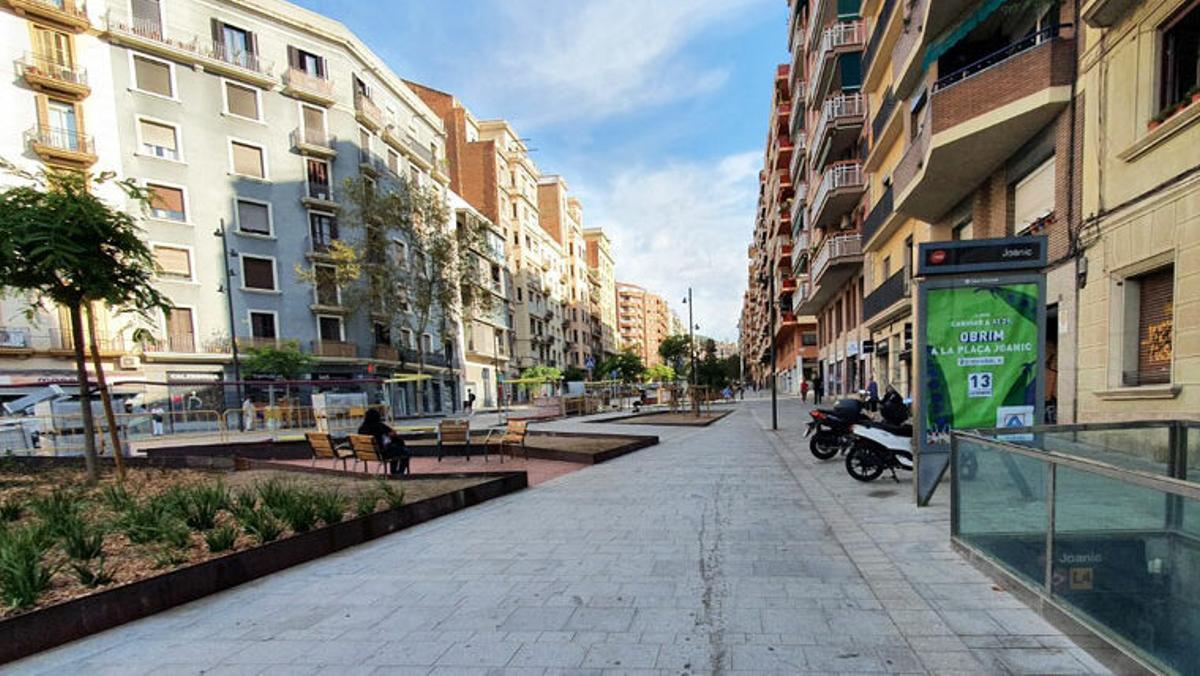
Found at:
[882, 446]
[829, 428]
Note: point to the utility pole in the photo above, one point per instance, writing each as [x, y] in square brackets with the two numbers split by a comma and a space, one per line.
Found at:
[233, 346]
[691, 338]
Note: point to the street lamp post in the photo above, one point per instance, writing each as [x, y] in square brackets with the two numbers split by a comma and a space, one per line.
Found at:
[691, 337]
[233, 346]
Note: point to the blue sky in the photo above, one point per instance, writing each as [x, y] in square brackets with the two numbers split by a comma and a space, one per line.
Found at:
[655, 112]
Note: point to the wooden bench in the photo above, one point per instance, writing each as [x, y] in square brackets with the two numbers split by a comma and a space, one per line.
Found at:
[323, 448]
[455, 433]
[366, 450]
[513, 435]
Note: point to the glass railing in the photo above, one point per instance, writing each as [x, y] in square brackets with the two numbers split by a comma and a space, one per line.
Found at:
[1102, 521]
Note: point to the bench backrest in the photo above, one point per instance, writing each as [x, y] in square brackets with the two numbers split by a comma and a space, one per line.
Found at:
[516, 430]
[365, 447]
[454, 432]
[320, 443]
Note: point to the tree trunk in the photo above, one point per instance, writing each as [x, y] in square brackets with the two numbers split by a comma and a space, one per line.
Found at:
[85, 398]
[105, 398]
[420, 381]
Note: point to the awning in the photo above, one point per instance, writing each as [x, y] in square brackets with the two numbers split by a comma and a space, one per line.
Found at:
[937, 48]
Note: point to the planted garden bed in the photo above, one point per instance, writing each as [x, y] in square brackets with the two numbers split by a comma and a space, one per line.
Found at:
[75, 560]
[667, 418]
[580, 447]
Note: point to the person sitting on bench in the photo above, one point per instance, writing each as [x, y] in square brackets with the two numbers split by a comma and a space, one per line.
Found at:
[391, 446]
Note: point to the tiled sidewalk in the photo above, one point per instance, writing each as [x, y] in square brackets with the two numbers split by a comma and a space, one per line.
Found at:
[720, 550]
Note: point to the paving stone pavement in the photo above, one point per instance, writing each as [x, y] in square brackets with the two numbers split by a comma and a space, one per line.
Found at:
[725, 549]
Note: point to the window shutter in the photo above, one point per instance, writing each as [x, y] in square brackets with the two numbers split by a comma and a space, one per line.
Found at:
[321, 66]
[252, 43]
[158, 135]
[259, 273]
[293, 57]
[1155, 326]
[173, 262]
[242, 101]
[247, 160]
[163, 198]
[152, 76]
[218, 32]
[252, 217]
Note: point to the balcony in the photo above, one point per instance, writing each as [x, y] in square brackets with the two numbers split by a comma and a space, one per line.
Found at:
[385, 353]
[367, 113]
[337, 349]
[836, 261]
[305, 86]
[979, 116]
[70, 14]
[787, 286]
[151, 35]
[880, 39]
[62, 146]
[50, 75]
[782, 79]
[783, 188]
[834, 63]
[889, 298]
[799, 201]
[838, 128]
[61, 342]
[783, 118]
[841, 187]
[885, 126]
[319, 195]
[880, 220]
[1106, 13]
[185, 344]
[783, 152]
[796, 128]
[314, 142]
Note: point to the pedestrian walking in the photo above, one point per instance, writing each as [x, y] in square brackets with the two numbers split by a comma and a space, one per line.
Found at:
[804, 391]
[248, 415]
[156, 419]
[470, 401]
[818, 388]
[873, 394]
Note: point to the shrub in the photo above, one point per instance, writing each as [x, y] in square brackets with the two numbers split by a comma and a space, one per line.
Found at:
[24, 574]
[202, 503]
[390, 492]
[243, 499]
[261, 525]
[366, 503]
[166, 557]
[221, 538]
[275, 495]
[81, 541]
[57, 510]
[11, 510]
[117, 497]
[330, 505]
[90, 576]
[143, 523]
[300, 511]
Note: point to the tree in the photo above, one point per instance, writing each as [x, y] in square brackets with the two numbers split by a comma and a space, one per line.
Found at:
[626, 363]
[659, 373]
[286, 362]
[574, 374]
[62, 244]
[542, 372]
[674, 350]
[405, 264]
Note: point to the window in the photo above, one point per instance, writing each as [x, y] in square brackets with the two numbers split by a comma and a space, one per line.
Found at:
[314, 125]
[324, 230]
[258, 273]
[364, 146]
[235, 45]
[887, 267]
[241, 100]
[325, 281]
[317, 172]
[181, 334]
[248, 160]
[253, 218]
[159, 139]
[382, 333]
[262, 325]
[167, 202]
[963, 231]
[52, 48]
[426, 343]
[330, 328]
[1033, 197]
[1149, 298]
[153, 76]
[306, 62]
[393, 162]
[1180, 66]
[808, 338]
[406, 339]
[173, 262]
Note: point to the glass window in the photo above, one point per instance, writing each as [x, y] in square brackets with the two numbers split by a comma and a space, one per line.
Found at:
[248, 160]
[152, 76]
[330, 328]
[258, 273]
[314, 125]
[326, 285]
[262, 325]
[1180, 67]
[159, 140]
[318, 179]
[241, 100]
[323, 229]
[1033, 196]
[253, 218]
[167, 202]
[173, 262]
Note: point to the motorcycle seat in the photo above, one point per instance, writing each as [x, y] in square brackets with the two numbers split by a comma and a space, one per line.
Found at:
[903, 430]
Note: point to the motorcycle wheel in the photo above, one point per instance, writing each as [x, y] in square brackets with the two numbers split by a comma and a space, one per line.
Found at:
[863, 464]
[824, 445]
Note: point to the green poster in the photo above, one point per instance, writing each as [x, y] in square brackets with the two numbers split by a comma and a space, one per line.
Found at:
[981, 361]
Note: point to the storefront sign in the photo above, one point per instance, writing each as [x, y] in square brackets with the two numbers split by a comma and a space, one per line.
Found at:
[868, 346]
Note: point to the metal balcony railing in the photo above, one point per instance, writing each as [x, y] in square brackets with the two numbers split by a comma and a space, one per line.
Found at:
[877, 31]
[241, 58]
[334, 348]
[838, 36]
[312, 137]
[39, 65]
[303, 81]
[1001, 55]
[61, 139]
[841, 175]
[841, 108]
[842, 246]
[893, 290]
[883, 208]
[367, 111]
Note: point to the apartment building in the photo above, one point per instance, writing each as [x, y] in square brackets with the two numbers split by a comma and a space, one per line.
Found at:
[1138, 268]
[643, 320]
[242, 117]
[561, 216]
[603, 283]
[486, 340]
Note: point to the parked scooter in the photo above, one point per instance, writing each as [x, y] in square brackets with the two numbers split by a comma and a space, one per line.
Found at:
[830, 427]
[884, 445]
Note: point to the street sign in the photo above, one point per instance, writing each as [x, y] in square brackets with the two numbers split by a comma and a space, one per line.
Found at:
[590, 363]
[980, 346]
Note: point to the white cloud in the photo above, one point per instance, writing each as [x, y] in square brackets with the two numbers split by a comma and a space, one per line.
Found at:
[686, 223]
[592, 59]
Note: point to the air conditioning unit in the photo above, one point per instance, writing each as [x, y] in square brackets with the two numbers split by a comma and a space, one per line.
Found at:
[129, 362]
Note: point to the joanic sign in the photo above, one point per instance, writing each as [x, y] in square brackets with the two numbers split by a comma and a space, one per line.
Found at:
[980, 255]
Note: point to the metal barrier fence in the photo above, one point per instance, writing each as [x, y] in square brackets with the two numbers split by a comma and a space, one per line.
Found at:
[1100, 522]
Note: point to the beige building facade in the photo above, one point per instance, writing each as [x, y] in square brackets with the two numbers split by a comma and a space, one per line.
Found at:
[644, 320]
